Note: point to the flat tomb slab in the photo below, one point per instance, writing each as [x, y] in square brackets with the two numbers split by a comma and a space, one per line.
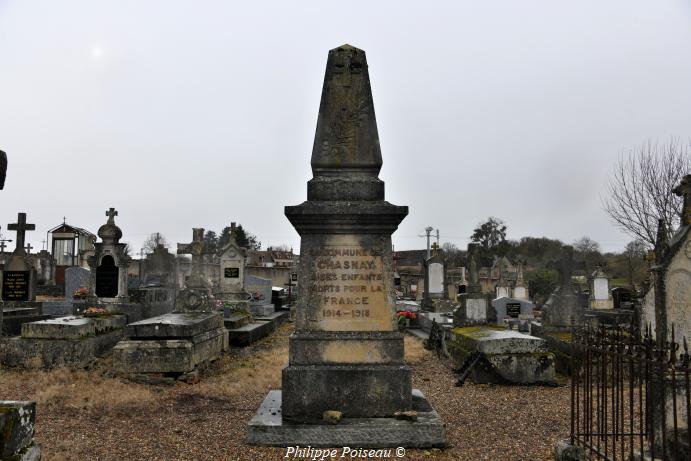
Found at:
[267, 428]
[493, 341]
[168, 355]
[12, 326]
[261, 310]
[276, 318]
[247, 334]
[69, 327]
[507, 356]
[20, 311]
[235, 321]
[53, 353]
[175, 325]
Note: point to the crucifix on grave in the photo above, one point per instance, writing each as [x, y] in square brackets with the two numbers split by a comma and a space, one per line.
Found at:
[565, 267]
[111, 213]
[19, 276]
[3, 245]
[28, 248]
[197, 248]
[21, 226]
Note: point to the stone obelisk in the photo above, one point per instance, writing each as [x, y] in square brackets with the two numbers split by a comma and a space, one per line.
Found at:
[346, 353]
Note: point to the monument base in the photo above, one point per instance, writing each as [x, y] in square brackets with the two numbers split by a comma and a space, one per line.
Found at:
[358, 391]
[268, 428]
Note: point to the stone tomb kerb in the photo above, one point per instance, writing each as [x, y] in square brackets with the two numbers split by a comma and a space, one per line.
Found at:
[346, 354]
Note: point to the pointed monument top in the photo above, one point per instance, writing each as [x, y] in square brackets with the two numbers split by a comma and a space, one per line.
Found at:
[346, 140]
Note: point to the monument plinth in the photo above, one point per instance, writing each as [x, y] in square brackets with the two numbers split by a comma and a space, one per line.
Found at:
[346, 353]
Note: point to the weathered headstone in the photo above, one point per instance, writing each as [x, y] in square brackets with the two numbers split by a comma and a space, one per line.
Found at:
[475, 305]
[17, 424]
[232, 260]
[512, 308]
[434, 280]
[520, 289]
[600, 297]
[196, 297]
[75, 278]
[346, 354]
[109, 264]
[502, 289]
[260, 292]
[563, 307]
[19, 275]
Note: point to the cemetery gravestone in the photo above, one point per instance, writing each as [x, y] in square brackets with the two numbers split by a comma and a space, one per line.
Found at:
[520, 289]
[600, 297]
[260, 291]
[563, 306]
[346, 339]
[109, 264]
[475, 307]
[196, 297]
[512, 308]
[232, 284]
[19, 275]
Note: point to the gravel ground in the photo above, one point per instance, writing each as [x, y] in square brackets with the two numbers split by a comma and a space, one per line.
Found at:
[90, 416]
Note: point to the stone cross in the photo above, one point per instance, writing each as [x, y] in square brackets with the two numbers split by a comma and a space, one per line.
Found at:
[21, 227]
[2, 245]
[197, 248]
[28, 248]
[565, 266]
[684, 190]
[111, 213]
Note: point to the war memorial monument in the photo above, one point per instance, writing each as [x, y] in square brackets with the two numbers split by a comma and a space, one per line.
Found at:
[346, 381]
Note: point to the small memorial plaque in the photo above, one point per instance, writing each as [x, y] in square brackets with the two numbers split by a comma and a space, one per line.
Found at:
[293, 277]
[231, 272]
[513, 310]
[15, 285]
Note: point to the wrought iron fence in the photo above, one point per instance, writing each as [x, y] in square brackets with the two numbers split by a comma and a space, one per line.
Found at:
[630, 396]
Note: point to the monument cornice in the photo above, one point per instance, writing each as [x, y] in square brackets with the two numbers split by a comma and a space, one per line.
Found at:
[342, 217]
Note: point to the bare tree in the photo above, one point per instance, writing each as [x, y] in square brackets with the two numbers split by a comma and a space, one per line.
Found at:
[640, 189]
[153, 240]
[589, 250]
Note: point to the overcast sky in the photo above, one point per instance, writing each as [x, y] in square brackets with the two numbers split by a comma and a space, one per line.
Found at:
[185, 114]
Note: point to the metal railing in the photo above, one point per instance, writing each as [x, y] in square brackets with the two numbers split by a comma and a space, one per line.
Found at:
[630, 396]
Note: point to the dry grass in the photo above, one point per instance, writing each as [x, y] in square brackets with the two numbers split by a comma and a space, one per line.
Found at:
[233, 375]
[86, 415]
[64, 389]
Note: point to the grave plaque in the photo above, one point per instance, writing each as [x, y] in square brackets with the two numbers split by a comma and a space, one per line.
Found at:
[513, 310]
[231, 272]
[15, 285]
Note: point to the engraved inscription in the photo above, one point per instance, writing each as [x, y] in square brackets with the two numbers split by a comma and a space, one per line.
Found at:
[15, 285]
[348, 282]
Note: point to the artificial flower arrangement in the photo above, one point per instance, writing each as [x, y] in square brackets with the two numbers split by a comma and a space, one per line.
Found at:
[404, 317]
[95, 312]
[81, 293]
